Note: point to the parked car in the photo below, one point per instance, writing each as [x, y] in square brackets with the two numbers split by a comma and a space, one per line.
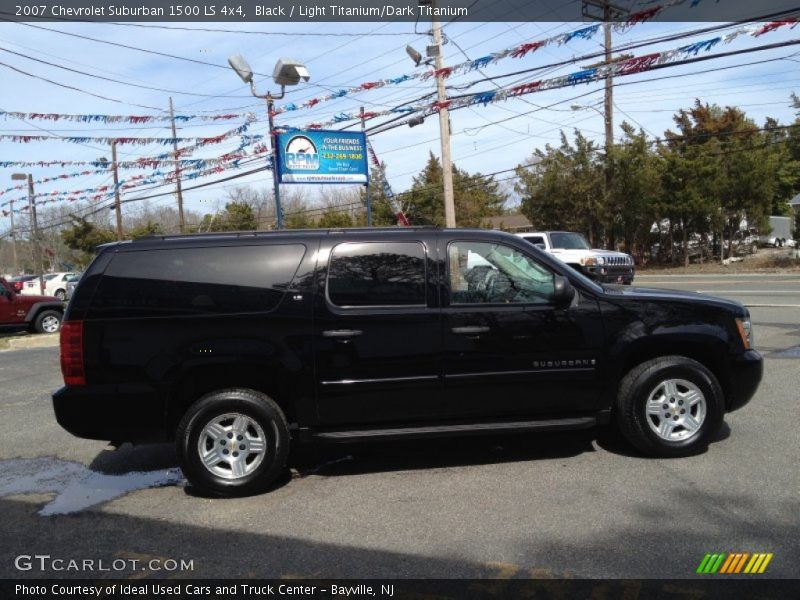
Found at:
[41, 314]
[55, 284]
[745, 241]
[18, 281]
[606, 266]
[72, 281]
[237, 345]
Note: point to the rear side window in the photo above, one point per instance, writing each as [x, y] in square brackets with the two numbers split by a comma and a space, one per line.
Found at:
[377, 274]
[196, 281]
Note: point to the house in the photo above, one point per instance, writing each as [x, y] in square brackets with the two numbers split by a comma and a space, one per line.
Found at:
[795, 204]
[511, 223]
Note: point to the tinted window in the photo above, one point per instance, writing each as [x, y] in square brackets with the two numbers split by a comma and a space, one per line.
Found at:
[377, 274]
[219, 280]
[569, 241]
[534, 239]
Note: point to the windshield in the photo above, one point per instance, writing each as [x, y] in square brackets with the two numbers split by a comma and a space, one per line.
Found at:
[569, 241]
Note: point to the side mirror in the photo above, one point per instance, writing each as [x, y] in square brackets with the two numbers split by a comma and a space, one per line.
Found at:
[540, 246]
[564, 292]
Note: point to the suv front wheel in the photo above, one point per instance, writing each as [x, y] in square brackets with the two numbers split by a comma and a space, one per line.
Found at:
[669, 406]
[233, 442]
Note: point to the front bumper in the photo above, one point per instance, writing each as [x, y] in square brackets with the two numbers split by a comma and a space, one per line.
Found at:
[746, 372]
[117, 413]
[611, 274]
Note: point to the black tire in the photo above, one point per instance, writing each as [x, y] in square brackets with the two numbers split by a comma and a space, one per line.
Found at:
[256, 406]
[43, 323]
[634, 393]
[61, 294]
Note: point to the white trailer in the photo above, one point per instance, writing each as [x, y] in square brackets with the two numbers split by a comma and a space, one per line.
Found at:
[780, 232]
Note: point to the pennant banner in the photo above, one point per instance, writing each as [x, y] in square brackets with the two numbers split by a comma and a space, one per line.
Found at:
[144, 162]
[192, 168]
[629, 66]
[123, 141]
[519, 51]
[131, 119]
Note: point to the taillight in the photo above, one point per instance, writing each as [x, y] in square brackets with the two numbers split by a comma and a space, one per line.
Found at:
[72, 353]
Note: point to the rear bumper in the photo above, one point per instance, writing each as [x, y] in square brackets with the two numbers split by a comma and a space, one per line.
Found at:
[746, 373]
[117, 413]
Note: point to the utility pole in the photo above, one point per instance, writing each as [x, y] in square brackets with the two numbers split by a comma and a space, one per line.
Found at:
[14, 240]
[609, 95]
[366, 187]
[610, 12]
[444, 128]
[37, 243]
[117, 206]
[178, 189]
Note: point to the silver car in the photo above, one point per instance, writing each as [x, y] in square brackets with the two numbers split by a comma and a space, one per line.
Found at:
[71, 281]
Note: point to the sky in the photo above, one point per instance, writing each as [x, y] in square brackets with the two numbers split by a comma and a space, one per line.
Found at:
[488, 139]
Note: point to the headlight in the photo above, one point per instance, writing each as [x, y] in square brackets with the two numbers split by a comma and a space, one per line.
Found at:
[587, 261]
[601, 260]
[745, 331]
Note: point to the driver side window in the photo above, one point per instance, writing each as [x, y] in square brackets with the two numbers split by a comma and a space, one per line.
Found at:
[488, 273]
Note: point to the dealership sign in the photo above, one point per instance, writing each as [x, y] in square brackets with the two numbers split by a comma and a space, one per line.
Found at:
[322, 157]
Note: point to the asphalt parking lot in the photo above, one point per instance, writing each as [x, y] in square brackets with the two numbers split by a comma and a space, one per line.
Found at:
[576, 505]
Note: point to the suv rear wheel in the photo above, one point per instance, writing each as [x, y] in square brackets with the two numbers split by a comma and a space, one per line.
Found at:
[669, 406]
[233, 442]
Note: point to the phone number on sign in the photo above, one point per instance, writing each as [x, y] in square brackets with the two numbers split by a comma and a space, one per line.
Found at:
[341, 156]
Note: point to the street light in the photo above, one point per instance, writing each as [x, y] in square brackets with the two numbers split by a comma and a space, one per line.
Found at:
[286, 72]
[37, 250]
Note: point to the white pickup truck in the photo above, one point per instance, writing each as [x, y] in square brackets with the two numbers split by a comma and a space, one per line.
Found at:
[605, 266]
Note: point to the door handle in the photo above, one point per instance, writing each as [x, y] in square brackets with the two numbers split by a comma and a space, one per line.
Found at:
[341, 333]
[470, 330]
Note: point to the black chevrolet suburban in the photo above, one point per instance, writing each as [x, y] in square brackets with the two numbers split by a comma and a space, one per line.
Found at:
[237, 344]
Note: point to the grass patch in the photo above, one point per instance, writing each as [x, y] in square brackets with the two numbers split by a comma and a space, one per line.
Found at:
[783, 262]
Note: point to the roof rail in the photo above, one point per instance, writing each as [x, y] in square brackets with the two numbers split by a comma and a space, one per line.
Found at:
[241, 234]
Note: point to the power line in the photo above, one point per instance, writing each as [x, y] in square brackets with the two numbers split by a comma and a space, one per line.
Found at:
[112, 80]
[242, 31]
[120, 45]
[77, 89]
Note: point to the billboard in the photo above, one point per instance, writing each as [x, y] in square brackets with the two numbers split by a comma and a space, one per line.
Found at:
[321, 156]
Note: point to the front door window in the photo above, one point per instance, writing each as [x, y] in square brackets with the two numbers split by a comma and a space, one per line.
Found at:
[488, 273]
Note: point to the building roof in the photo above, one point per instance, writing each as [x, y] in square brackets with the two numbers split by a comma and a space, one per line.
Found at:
[795, 202]
[516, 222]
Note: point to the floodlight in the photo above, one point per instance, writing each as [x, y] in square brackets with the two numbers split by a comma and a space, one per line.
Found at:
[415, 56]
[290, 72]
[242, 68]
